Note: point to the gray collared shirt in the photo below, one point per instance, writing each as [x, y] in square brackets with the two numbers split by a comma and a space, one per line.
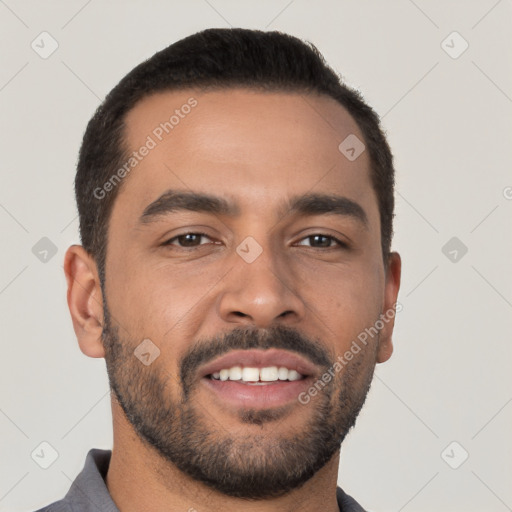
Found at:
[89, 493]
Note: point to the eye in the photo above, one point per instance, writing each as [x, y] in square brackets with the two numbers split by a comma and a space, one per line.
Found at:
[317, 241]
[321, 241]
[187, 240]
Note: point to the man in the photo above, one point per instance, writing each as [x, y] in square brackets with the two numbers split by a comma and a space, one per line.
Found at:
[236, 206]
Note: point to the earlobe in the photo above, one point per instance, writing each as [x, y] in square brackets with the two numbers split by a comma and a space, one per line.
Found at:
[385, 350]
[392, 285]
[85, 300]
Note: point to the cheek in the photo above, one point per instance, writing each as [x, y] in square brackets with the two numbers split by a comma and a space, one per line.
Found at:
[347, 300]
[161, 301]
[168, 301]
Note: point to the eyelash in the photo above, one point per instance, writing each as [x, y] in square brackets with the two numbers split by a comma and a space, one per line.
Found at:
[341, 244]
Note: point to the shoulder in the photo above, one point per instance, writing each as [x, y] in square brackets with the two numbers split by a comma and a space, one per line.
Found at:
[57, 506]
[346, 503]
[89, 483]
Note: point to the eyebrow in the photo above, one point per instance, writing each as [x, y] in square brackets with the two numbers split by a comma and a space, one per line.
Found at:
[304, 205]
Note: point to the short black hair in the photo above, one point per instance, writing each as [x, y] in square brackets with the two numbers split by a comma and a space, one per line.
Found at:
[218, 59]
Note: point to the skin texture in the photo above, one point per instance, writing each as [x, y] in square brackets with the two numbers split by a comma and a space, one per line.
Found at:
[258, 150]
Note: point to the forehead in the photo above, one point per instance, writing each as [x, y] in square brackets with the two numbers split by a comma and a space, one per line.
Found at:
[237, 141]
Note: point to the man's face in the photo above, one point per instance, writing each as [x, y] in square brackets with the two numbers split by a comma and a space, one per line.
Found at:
[260, 275]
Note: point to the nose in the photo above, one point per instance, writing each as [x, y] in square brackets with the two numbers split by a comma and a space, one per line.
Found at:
[261, 293]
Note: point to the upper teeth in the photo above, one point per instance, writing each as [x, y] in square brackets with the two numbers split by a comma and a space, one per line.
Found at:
[248, 374]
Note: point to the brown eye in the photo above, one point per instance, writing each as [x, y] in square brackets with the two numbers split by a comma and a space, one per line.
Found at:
[187, 240]
[320, 241]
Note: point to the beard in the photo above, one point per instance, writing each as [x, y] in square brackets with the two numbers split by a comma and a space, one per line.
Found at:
[249, 466]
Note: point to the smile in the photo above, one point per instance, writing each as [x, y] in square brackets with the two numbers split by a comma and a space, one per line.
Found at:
[257, 375]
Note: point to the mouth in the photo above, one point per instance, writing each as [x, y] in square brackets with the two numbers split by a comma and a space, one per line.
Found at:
[258, 378]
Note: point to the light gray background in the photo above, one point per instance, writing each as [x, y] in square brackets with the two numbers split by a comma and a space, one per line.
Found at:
[449, 123]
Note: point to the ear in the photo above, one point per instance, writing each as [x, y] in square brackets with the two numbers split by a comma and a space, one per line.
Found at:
[85, 301]
[391, 287]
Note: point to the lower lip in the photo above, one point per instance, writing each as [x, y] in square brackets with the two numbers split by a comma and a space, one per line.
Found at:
[257, 396]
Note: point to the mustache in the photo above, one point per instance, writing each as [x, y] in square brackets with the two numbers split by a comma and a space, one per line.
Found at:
[280, 336]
